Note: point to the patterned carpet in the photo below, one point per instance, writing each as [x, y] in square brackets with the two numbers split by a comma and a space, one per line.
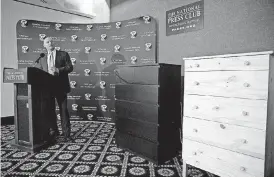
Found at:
[93, 152]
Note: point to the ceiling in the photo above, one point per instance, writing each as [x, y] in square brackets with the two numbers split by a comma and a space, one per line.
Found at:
[77, 7]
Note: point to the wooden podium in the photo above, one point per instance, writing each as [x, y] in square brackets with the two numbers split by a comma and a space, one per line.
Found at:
[33, 105]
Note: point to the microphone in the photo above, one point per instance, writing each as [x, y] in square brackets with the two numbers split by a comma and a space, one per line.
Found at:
[41, 56]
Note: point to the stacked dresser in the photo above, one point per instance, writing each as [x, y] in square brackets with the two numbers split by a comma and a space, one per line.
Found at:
[228, 123]
[148, 111]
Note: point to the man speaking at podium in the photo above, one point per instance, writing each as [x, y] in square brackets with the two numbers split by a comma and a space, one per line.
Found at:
[58, 64]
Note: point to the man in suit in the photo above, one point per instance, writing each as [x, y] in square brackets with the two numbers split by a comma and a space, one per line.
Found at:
[58, 64]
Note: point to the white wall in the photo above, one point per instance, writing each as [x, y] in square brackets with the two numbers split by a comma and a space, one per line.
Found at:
[239, 27]
[102, 9]
[1, 63]
[11, 12]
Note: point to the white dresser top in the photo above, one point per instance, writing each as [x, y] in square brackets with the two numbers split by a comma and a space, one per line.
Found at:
[230, 55]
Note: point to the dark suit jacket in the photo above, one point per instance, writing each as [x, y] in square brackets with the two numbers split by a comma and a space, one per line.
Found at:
[63, 63]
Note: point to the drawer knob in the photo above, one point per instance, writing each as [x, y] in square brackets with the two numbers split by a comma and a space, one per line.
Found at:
[246, 84]
[195, 107]
[222, 126]
[243, 169]
[247, 63]
[245, 113]
[216, 108]
[195, 130]
[197, 65]
[196, 83]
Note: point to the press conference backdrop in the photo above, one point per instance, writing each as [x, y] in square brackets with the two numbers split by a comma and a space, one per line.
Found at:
[95, 51]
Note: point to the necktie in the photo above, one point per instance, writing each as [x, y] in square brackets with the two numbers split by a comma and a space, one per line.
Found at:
[51, 64]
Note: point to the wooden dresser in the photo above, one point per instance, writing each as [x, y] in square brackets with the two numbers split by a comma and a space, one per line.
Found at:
[228, 117]
[148, 110]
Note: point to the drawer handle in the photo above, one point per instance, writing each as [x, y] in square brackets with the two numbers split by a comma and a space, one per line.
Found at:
[195, 130]
[247, 63]
[245, 113]
[195, 107]
[196, 83]
[216, 108]
[222, 126]
[197, 65]
[246, 84]
[243, 169]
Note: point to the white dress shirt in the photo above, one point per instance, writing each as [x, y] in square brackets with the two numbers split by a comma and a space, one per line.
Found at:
[50, 65]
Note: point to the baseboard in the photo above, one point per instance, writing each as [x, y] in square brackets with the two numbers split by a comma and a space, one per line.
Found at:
[9, 120]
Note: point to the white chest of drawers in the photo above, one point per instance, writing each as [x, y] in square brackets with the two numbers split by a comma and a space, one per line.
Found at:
[228, 117]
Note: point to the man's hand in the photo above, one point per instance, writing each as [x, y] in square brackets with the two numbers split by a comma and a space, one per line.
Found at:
[55, 71]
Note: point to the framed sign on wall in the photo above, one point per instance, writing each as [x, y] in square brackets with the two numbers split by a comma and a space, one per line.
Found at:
[185, 19]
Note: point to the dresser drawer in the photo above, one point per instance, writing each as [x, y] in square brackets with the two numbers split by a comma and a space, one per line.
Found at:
[138, 93]
[237, 84]
[140, 129]
[137, 74]
[221, 162]
[164, 133]
[244, 112]
[136, 144]
[156, 152]
[245, 140]
[256, 62]
[137, 111]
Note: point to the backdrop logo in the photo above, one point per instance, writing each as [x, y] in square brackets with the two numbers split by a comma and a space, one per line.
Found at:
[148, 46]
[117, 48]
[42, 37]
[57, 48]
[87, 49]
[73, 38]
[87, 72]
[133, 34]
[58, 116]
[147, 19]
[104, 108]
[103, 60]
[133, 59]
[58, 26]
[89, 116]
[87, 96]
[118, 24]
[24, 23]
[103, 37]
[74, 107]
[25, 49]
[73, 61]
[102, 84]
[72, 84]
[89, 27]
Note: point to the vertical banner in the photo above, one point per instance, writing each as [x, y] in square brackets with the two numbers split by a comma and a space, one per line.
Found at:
[185, 19]
[95, 51]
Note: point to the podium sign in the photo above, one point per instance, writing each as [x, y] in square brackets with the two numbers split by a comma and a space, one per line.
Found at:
[15, 75]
